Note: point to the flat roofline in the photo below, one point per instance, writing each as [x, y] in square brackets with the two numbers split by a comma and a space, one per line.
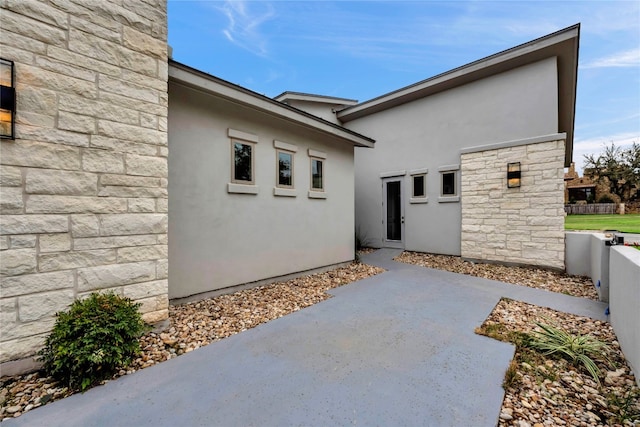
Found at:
[200, 80]
[562, 44]
[301, 96]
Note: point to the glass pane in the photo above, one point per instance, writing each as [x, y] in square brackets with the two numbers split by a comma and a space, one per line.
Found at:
[242, 158]
[448, 183]
[5, 73]
[284, 169]
[418, 186]
[5, 123]
[316, 174]
[394, 215]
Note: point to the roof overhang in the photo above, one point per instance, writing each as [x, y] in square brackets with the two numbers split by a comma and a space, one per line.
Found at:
[562, 44]
[207, 83]
[310, 97]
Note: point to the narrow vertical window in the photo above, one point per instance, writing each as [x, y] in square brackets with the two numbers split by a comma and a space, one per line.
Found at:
[242, 162]
[317, 175]
[419, 186]
[285, 169]
[449, 184]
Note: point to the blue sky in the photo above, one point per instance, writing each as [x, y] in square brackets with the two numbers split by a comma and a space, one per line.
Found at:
[363, 49]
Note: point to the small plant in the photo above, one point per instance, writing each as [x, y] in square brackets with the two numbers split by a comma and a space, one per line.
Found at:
[93, 339]
[624, 408]
[511, 376]
[578, 349]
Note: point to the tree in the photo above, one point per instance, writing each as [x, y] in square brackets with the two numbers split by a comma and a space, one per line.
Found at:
[617, 168]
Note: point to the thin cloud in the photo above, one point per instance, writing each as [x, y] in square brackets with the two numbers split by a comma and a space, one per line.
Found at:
[243, 29]
[628, 58]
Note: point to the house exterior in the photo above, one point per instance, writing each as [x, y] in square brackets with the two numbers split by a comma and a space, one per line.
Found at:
[132, 173]
[577, 189]
[437, 180]
[291, 211]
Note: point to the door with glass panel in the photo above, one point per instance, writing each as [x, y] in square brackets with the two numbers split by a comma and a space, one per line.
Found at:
[392, 213]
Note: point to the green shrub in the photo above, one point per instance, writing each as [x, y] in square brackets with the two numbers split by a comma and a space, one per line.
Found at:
[578, 349]
[605, 199]
[92, 340]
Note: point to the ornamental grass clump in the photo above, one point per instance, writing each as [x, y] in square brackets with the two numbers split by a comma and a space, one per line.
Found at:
[92, 340]
[578, 349]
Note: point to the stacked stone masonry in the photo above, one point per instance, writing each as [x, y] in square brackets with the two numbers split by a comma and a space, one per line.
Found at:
[83, 196]
[523, 225]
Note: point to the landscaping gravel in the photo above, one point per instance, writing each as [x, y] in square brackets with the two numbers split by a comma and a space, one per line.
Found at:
[553, 281]
[550, 391]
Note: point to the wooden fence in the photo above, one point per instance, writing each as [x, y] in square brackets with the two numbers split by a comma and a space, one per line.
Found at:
[594, 208]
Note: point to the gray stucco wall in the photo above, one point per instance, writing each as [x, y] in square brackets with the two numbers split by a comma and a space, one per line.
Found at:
[319, 109]
[219, 239]
[430, 132]
[578, 253]
[624, 298]
[599, 254]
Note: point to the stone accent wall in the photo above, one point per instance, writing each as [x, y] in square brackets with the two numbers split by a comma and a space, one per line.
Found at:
[83, 195]
[522, 225]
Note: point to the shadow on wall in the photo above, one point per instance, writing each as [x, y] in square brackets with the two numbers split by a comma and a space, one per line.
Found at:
[615, 271]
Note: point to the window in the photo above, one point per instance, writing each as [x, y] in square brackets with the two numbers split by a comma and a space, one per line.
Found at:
[317, 190]
[317, 177]
[243, 172]
[448, 183]
[242, 162]
[285, 169]
[419, 186]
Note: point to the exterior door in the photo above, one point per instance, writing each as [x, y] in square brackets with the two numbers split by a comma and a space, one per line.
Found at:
[392, 213]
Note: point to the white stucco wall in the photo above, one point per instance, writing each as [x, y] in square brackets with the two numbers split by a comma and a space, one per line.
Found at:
[218, 239]
[430, 132]
[319, 109]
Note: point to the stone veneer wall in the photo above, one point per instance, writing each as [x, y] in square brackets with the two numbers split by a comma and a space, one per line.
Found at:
[83, 192]
[522, 225]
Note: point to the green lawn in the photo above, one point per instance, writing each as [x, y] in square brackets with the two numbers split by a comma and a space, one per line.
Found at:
[629, 223]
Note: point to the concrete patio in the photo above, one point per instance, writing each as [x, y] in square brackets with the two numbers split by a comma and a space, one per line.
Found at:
[394, 349]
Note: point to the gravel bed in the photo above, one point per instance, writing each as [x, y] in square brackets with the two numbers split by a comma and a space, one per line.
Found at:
[549, 391]
[578, 286]
[195, 325]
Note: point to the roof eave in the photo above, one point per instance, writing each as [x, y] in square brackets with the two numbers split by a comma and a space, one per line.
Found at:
[310, 97]
[205, 82]
[562, 44]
